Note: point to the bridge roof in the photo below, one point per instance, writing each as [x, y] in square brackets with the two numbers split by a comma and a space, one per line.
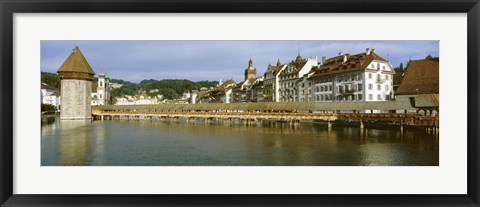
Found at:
[265, 106]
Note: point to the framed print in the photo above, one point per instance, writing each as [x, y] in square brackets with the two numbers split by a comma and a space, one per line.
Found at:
[239, 103]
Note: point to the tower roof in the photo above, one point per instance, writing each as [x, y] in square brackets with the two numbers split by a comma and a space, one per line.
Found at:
[76, 62]
[299, 57]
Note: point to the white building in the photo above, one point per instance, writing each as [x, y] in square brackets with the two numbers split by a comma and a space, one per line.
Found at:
[141, 99]
[288, 83]
[101, 92]
[50, 95]
[361, 77]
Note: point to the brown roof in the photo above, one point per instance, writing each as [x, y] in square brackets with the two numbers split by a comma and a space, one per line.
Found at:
[296, 65]
[275, 69]
[287, 106]
[226, 83]
[355, 62]
[422, 77]
[76, 62]
[397, 77]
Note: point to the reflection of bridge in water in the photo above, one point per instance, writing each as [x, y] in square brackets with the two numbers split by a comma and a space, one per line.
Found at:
[291, 113]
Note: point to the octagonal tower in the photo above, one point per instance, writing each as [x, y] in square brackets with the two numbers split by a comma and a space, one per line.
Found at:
[76, 77]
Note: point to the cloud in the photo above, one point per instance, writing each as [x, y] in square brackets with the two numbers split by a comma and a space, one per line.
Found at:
[213, 60]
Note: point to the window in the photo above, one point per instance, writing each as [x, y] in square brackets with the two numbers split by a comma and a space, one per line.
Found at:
[378, 66]
[379, 87]
[101, 83]
[316, 89]
[379, 97]
[100, 96]
[384, 67]
[359, 97]
[370, 97]
[369, 76]
[378, 76]
[386, 87]
[370, 86]
[330, 88]
[387, 97]
[359, 87]
[373, 66]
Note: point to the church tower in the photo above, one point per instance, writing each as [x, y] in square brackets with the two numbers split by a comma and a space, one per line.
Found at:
[250, 71]
[76, 77]
[103, 91]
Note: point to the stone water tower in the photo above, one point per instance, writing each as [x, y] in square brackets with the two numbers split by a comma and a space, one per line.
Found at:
[76, 77]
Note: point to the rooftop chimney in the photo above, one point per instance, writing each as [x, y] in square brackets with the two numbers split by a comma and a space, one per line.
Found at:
[368, 51]
[340, 53]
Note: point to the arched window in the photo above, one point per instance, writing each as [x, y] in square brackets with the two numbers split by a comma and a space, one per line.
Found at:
[101, 84]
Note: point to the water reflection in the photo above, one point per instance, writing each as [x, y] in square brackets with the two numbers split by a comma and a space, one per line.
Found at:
[163, 143]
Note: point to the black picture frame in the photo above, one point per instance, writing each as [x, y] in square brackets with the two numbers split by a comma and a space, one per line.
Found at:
[10, 7]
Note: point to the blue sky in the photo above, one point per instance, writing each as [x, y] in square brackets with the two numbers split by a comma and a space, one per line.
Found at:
[213, 60]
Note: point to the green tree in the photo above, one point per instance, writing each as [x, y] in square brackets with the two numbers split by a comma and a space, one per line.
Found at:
[50, 79]
[48, 108]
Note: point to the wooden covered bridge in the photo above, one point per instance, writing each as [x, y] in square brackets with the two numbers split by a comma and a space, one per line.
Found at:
[391, 112]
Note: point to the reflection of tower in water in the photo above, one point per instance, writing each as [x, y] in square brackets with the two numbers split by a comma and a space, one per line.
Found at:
[75, 142]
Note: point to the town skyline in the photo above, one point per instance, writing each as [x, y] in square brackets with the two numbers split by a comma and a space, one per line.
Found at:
[135, 61]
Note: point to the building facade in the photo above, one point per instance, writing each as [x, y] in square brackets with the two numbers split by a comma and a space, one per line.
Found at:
[288, 78]
[101, 91]
[361, 77]
[271, 81]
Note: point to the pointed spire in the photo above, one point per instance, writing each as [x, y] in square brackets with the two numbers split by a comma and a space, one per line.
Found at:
[299, 57]
[278, 62]
[250, 63]
[77, 63]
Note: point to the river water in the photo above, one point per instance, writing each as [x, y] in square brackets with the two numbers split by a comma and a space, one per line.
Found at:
[162, 143]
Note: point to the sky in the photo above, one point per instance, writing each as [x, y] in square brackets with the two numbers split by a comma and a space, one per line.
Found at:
[136, 60]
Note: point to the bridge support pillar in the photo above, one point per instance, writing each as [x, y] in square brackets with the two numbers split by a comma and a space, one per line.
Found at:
[361, 125]
[329, 125]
